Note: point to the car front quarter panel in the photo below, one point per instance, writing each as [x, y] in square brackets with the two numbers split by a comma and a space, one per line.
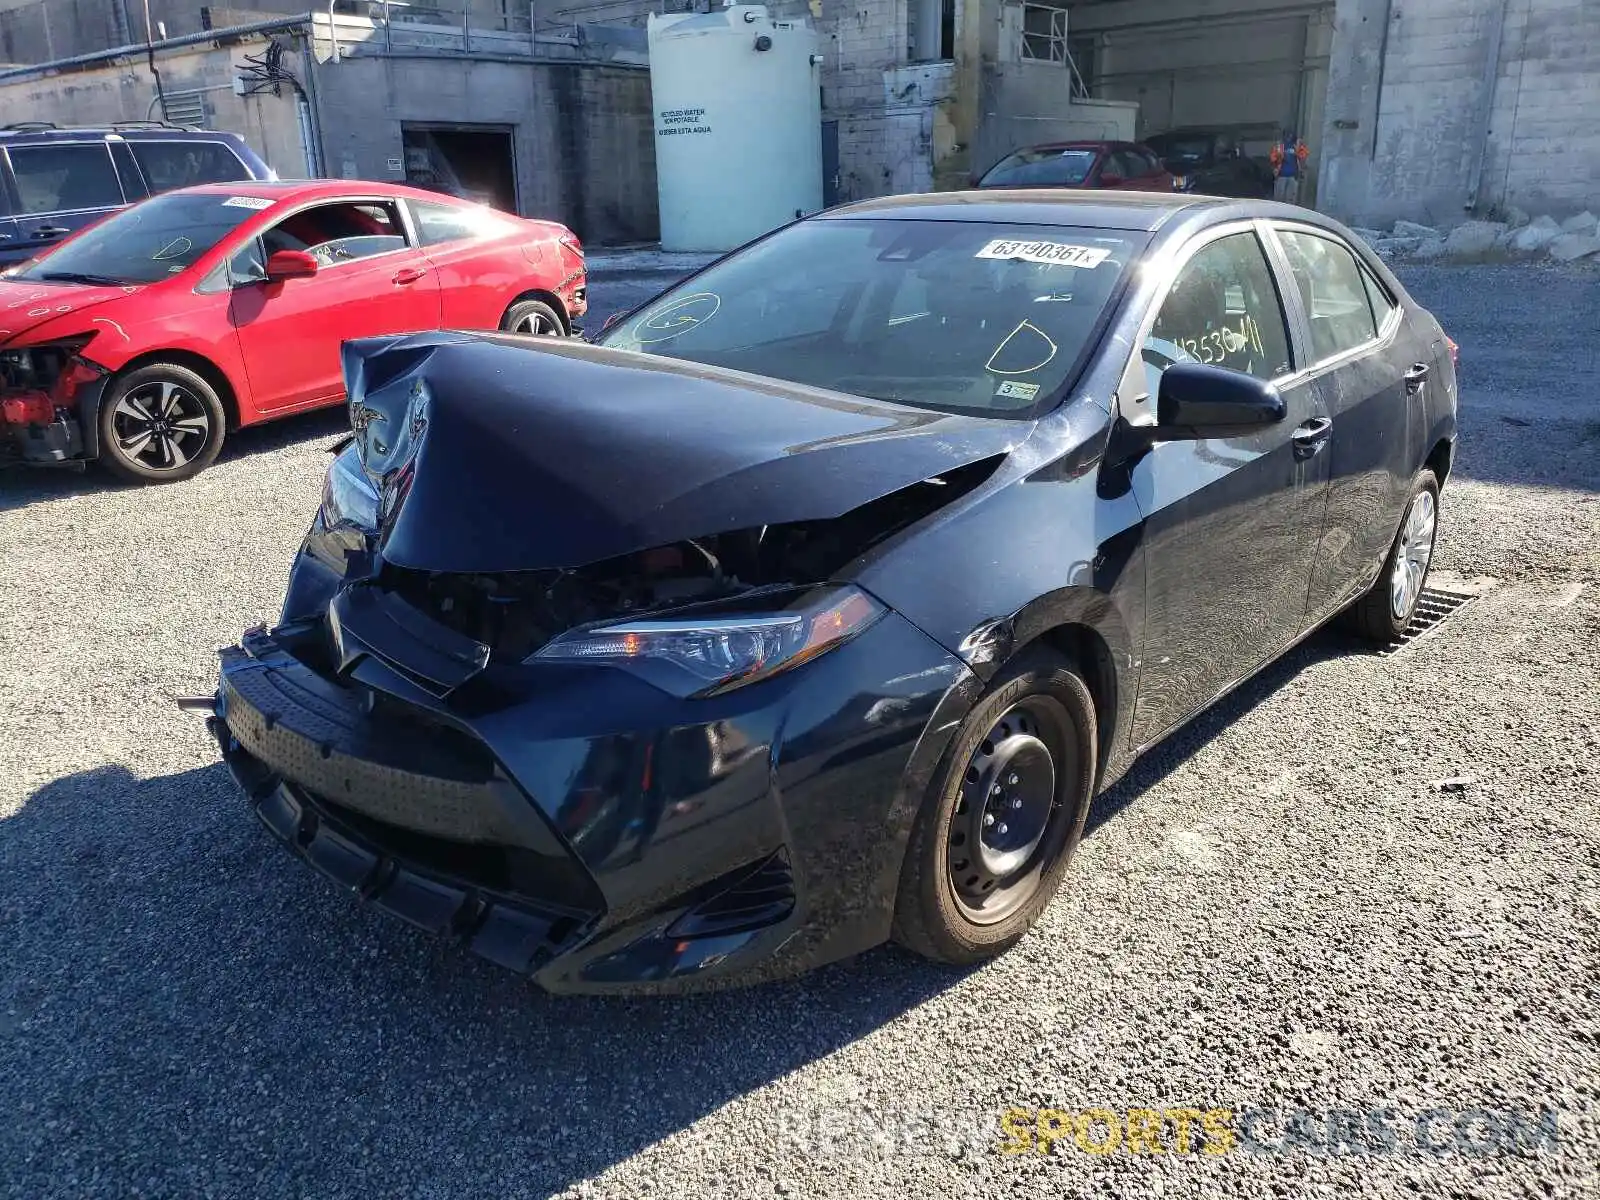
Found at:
[1051, 544]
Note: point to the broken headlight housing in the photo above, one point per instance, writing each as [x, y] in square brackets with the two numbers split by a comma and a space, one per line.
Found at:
[705, 655]
[348, 497]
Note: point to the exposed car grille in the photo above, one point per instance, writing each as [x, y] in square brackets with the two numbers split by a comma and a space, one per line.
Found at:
[763, 897]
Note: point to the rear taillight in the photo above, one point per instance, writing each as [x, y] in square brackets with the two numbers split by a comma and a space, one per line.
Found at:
[1455, 350]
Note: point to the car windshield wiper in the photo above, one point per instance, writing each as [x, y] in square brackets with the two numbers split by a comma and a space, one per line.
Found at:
[80, 277]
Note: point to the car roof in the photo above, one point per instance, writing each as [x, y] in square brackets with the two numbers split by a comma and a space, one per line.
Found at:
[1100, 209]
[278, 190]
[45, 131]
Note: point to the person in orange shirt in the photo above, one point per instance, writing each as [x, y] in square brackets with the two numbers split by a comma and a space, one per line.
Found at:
[1288, 159]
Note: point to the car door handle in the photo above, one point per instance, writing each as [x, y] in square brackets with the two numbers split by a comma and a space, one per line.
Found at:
[409, 275]
[51, 230]
[1415, 377]
[1312, 436]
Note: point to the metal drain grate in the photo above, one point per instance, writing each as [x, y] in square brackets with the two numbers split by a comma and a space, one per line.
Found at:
[1433, 607]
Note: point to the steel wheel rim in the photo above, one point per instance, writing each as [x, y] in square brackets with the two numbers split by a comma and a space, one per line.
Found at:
[1011, 822]
[1413, 555]
[161, 426]
[535, 324]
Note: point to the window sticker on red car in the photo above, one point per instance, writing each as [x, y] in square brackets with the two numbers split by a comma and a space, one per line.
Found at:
[256, 203]
[1061, 254]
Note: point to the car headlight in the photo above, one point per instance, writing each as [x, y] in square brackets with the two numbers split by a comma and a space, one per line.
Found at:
[696, 656]
[348, 497]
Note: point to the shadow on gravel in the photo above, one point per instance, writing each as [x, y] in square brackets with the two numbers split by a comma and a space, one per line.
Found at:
[1171, 754]
[24, 486]
[184, 1009]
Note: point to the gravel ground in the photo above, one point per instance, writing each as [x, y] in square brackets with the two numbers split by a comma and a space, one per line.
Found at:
[1276, 911]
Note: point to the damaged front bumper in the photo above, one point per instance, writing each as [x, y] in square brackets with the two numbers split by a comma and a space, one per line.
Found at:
[57, 427]
[577, 824]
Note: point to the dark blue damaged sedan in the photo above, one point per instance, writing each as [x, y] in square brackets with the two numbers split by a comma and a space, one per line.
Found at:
[811, 605]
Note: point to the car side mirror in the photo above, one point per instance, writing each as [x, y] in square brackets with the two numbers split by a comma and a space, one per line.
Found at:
[1109, 180]
[290, 264]
[1198, 401]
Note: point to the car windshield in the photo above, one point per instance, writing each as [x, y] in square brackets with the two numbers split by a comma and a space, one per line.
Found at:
[147, 242]
[1025, 168]
[962, 316]
[1191, 149]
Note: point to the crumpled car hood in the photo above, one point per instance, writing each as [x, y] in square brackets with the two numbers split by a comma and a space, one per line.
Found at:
[492, 454]
[25, 305]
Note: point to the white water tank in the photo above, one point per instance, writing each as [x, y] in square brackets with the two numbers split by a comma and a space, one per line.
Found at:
[738, 116]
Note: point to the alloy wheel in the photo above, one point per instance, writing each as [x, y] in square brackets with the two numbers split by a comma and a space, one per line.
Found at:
[1008, 823]
[536, 324]
[1412, 555]
[160, 426]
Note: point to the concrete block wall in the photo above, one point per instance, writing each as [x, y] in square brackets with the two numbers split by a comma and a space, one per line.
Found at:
[608, 150]
[582, 135]
[1454, 109]
[1544, 135]
[110, 93]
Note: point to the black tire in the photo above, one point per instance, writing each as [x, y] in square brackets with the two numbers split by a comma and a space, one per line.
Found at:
[533, 318]
[1377, 616]
[940, 912]
[144, 443]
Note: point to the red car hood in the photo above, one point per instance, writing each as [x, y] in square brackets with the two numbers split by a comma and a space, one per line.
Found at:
[24, 306]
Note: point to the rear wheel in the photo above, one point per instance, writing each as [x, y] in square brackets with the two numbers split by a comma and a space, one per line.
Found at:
[1385, 612]
[534, 318]
[160, 423]
[993, 841]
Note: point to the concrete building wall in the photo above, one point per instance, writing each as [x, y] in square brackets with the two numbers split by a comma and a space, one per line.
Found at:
[583, 139]
[1439, 107]
[118, 93]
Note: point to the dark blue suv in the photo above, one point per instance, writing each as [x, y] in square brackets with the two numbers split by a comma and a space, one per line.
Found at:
[54, 181]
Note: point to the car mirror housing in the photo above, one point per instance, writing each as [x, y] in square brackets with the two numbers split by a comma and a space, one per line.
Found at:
[1110, 181]
[290, 264]
[1196, 401]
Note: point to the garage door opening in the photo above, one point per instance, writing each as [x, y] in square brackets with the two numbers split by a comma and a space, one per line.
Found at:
[477, 163]
[1243, 72]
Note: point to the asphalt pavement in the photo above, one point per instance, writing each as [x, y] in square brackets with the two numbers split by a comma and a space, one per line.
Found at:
[1363, 890]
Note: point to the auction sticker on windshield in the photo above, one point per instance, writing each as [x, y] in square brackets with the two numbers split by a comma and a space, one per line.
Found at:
[1062, 254]
[252, 202]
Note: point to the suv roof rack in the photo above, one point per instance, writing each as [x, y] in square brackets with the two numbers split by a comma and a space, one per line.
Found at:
[52, 127]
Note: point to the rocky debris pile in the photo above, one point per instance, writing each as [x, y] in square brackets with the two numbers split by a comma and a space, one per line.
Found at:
[1518, 236]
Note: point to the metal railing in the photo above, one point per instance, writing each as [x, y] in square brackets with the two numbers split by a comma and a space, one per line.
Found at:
[1044, 39]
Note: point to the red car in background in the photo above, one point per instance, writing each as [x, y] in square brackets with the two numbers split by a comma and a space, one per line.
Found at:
[144, 339]
[1123, 165]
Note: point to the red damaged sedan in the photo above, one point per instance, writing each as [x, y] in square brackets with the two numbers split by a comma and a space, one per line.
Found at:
[143, 340]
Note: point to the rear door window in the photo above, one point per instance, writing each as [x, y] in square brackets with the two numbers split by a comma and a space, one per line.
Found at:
[169, 165]
[438, 224]
[1333, 290]
[64, 178]
[1382, 304]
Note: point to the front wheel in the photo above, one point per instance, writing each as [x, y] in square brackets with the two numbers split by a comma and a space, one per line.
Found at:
[1385, 612]
[993, 841]
[160, 423]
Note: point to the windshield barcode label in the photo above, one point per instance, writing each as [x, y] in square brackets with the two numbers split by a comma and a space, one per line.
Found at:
[1061, 254]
